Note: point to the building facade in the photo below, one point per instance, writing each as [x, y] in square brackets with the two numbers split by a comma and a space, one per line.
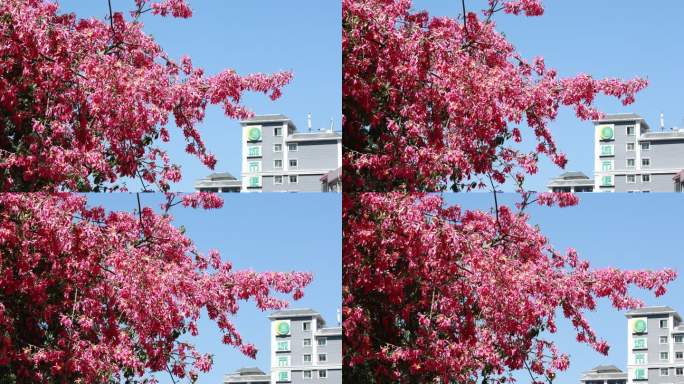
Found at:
[278, 158]
[332, 181]
[303, 350]
[679, 181]
[219, 182]
[655, 340]
[571, 182]
[247, 376]
[630, 157]
[604, 374]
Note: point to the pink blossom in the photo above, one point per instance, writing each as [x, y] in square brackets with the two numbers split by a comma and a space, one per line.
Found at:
[433, 291]
[87, 295]
[86, 102]
[431, 103]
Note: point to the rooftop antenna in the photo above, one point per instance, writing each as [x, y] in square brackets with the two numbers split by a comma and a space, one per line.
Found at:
[332, 124]
[339, 317]
[662, 121]
[308, 121]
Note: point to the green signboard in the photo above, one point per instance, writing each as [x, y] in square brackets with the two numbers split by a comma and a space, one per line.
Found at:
[283, 328]
[606, 132]
[254, 134]
[639, 325]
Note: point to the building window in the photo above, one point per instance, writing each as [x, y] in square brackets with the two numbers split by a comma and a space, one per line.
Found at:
[284, 345]
[645, 146]
[283, 376]
[307, 358]
[607, 165]
[254, 151]
[640, 358]
[294, 179]
[307, 342]
[292, 147]
[307, 374]
[630, 146]
[679, 371]
[322, 341]
[278, 131]
[679, 339]
[277, 147]
[630, 131]
[663, 339]
[640, 343]
[277, 179]
[641, 374]
[322, 374]
[306, 326]
[254, 166]
[631, 163]
[607, 181]
[663, 323]
[293, 163]
[607, 150]
[679, 355]
[322, 357]
[277, 164]
[647, 179]
[645, 162]
[283, 361]
[255, 181]
[664, 372]
[631, 179]
[664, 356]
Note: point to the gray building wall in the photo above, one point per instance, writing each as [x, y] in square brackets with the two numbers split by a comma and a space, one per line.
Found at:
[305, 183]
[666, 156]
[332, 349]
[334, 376]
[658, 183]
[268, 141]
[654, 364]
[654, 333]
[316, 153]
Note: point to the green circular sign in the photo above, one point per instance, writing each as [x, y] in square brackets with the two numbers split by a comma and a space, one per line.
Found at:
[607, 133]
[283, 328]
[640, 326]
[254, 134]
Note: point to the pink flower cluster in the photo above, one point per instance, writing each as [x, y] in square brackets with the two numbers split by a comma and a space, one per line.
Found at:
[86, 102]
[92, 296]
[434, 102]
[435, 292]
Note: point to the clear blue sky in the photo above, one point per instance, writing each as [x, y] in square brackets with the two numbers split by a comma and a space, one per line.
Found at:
[628, 231]
[249, 36]
[607, 38]
[263, 232]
